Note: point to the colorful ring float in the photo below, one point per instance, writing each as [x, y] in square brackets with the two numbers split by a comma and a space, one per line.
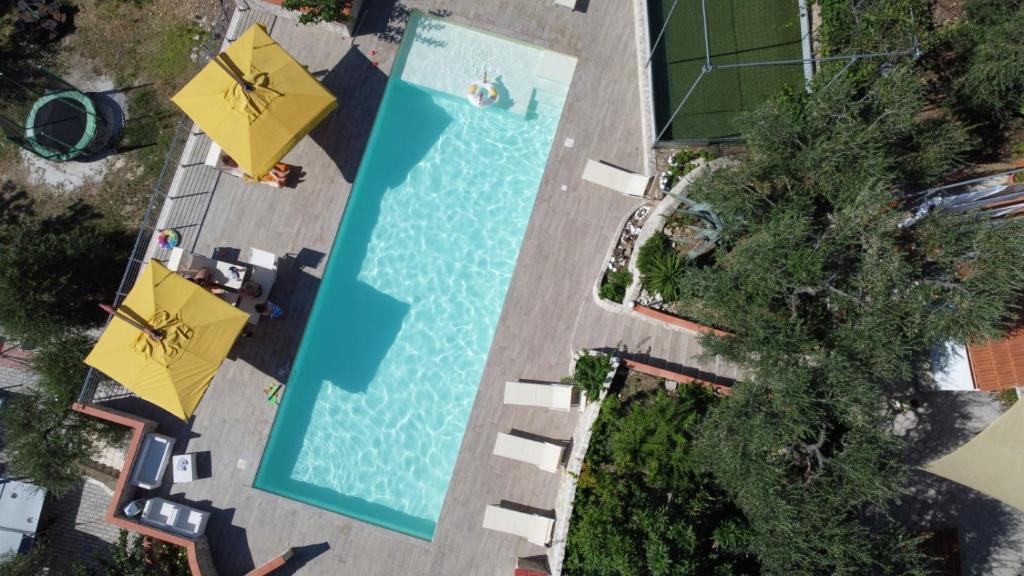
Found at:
[168, 238]
[482, 94]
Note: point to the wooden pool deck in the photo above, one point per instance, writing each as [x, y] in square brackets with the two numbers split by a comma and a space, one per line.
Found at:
[549, 310]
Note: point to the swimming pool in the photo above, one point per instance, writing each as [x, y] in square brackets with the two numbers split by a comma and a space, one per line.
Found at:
[383, 383]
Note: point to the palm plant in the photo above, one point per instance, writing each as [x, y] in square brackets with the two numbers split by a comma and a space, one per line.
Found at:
[666, 275]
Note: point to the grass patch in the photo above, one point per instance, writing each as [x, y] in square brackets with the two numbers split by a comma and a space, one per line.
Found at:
[172, 58]
[145, 48]
[739, 31]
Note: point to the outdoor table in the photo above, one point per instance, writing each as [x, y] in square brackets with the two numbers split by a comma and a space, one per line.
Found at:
[184, 468]
[223, 276]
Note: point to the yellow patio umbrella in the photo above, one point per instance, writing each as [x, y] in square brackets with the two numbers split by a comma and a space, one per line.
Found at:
[194, 331]
[255, 101]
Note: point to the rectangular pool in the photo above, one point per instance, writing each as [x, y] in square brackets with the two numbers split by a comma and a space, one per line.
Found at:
[383, 383]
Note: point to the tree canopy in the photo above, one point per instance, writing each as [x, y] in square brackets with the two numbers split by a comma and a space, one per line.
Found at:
[642, 505]
[47, 442]
[55, 270]
[832, 303]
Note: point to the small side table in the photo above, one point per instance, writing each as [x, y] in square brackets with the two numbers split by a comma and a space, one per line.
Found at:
[184, 468]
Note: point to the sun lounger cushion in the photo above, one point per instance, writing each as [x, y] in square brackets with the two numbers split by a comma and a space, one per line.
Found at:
[543, 455]
[615, 178]
[535, 528]
[151, 461]
[554, 396]
[174, 517]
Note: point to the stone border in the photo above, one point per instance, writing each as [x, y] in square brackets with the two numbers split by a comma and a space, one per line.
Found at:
[567, 485]
[608, 305]
[643, 48]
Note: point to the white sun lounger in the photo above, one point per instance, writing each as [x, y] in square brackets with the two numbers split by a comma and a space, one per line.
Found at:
[570, 4]
[554, 396]
[617, 179]
[543, 455]
[534, 527]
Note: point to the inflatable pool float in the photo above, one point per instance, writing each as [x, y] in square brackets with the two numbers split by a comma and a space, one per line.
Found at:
[482, 94]
[168, 238]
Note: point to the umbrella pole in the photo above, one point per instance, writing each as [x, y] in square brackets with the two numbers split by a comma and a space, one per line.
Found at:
[153, 334]
[216, 58]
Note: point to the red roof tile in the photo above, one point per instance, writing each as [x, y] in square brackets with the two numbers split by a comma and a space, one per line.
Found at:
[998, 364]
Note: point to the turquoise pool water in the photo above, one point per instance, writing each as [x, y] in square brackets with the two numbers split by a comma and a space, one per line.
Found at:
[383, 383]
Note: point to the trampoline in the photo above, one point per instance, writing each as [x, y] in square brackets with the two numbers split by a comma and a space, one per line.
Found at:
[61, 125]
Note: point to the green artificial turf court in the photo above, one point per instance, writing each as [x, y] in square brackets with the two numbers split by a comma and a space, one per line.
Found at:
[739, 31]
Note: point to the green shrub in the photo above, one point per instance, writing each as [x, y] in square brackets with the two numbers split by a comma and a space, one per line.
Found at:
[590, 373]
[642, 508]
[1007, 397]
[991, 12]
[992, 84]
[666, 275]
[315, 11]
[129, 556]
[615, 285]
[656, 248]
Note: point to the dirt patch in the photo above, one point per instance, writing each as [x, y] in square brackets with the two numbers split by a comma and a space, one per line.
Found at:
[637, 383]
[947, 11]
[134, 55]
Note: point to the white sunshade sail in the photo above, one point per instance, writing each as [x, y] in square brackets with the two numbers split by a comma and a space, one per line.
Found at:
[992, 462]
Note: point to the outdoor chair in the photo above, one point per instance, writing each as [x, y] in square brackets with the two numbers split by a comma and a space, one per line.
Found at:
[617, 179]
[151, 461]
[554, 396]
[535, 528]
[174, 517]
[264, 273]
[543, 455]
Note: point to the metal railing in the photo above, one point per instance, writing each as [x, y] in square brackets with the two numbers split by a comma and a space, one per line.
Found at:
[97, 386]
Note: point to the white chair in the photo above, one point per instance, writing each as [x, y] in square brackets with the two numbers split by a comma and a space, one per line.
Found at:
[617, 179]
[264, 273]
[543, 455]
[535, 528]
[176, 518]
[151, 461]
[554, 396]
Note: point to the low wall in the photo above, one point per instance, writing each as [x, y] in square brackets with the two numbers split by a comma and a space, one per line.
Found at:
[719, 389]
[200, 564]
[200, 560]
[567, 484]
[677, 321]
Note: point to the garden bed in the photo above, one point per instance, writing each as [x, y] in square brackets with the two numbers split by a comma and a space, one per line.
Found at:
[617, 278]
[682, 234]
[637, 488]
